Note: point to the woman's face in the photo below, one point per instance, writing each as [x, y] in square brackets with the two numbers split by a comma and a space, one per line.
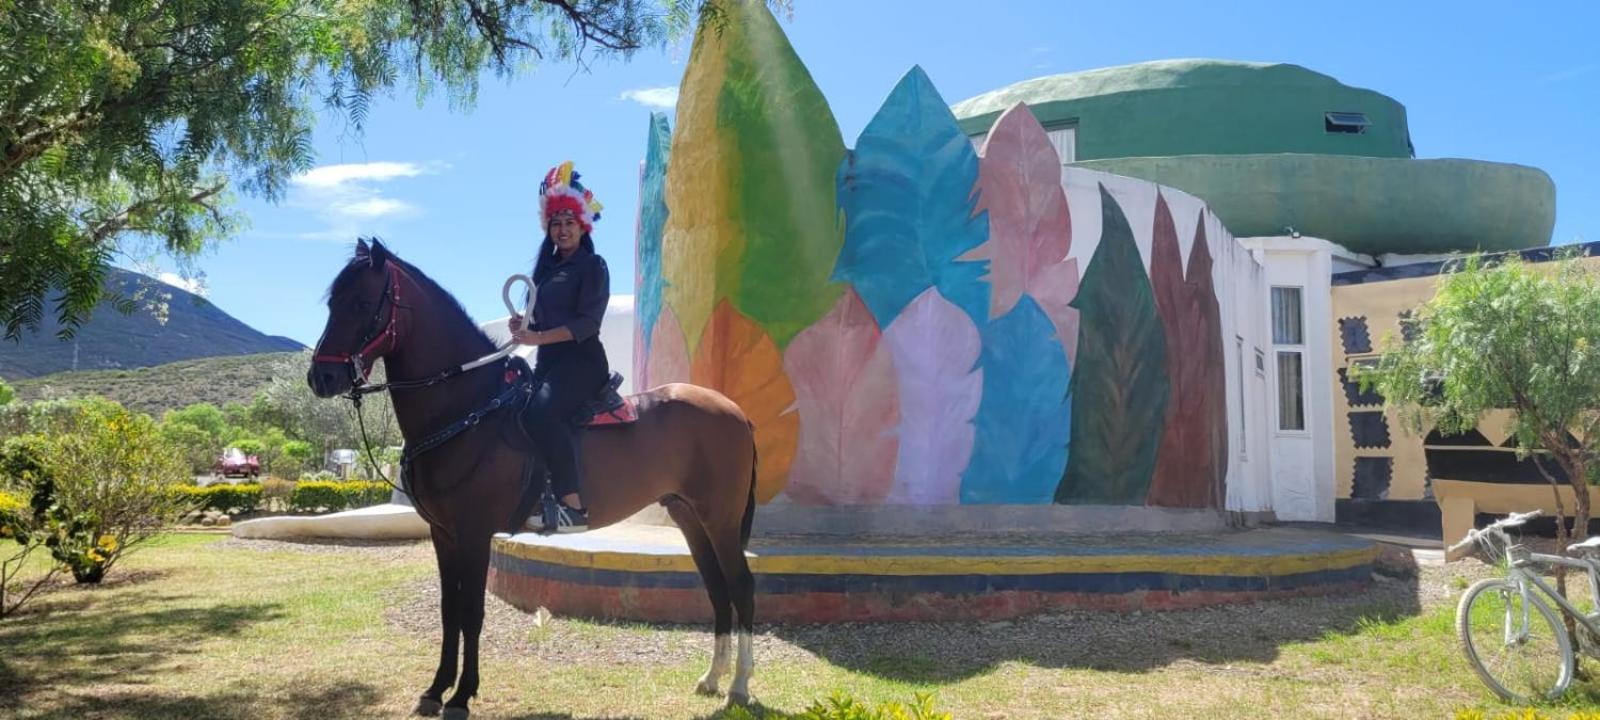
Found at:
[565, 232]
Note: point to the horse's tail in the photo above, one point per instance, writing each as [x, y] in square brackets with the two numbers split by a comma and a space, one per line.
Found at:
[750, 503]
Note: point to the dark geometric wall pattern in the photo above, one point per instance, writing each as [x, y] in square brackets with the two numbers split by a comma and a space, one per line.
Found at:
[1409, 329]
[1369, 429]
[1372, 478]
[1353, 393]
[1354, 336]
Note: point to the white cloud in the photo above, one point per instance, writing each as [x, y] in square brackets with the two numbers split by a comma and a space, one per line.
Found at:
[350, 198]
[620, 303]
[330, 176]
[372, 207]
[661, 97]
[193, 285]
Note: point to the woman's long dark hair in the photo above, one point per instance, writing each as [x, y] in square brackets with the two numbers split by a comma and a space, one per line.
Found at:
[547, 254]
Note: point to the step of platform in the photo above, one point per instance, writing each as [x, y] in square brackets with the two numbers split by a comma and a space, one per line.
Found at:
[643, 572]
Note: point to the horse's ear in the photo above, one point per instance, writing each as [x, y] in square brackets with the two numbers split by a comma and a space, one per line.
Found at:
[362, 251]
[380, 254]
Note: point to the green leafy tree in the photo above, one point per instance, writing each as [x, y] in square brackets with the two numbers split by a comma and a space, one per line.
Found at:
[191, 444]
[126, 128]
[203, 416]
[1514, 336]
[295, 458]
[326, 425]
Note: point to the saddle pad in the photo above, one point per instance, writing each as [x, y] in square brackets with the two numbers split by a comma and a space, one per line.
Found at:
[622, 415]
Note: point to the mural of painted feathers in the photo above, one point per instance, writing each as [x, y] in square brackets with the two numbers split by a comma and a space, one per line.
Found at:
[1030, 224]
[1119, 386]
[935, 346]
[907, 194]
[738, 359]
[652, 223]
[845, 389]
[1024, 419]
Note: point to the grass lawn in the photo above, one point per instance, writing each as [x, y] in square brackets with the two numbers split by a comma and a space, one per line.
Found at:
[196, 626]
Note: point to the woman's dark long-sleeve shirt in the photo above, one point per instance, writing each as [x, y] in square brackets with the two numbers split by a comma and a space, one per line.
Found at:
[573, 293]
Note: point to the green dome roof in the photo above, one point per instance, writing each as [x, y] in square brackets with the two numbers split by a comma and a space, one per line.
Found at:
[1157, 75]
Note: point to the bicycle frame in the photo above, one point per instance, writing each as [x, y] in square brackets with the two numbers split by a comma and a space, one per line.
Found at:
[1522, 577]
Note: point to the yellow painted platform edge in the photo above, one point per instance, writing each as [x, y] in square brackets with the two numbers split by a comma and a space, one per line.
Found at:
[1210, 565]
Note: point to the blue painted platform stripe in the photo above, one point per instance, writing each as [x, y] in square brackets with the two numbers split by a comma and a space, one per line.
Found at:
[1101, 582]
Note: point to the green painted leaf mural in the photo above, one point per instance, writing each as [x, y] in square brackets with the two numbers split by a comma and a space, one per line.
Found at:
[1119, 386]
[788, 147]
[752, 215]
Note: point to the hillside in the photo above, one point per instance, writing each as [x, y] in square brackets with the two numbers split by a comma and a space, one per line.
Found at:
[155, 390]
[195, 328]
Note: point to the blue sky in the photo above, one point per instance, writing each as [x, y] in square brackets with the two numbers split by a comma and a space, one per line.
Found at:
[453, 191]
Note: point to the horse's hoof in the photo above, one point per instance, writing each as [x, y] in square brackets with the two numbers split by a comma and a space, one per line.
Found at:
[738, 700]
[706, 687]
[456, 713]
[428, 707]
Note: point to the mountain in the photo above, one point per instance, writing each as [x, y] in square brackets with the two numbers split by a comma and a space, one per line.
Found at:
[155, 390]
[195, 328]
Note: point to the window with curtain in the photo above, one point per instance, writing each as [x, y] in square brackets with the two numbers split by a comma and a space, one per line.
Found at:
[1288, 339]
[1291, 395]
[1287, 325]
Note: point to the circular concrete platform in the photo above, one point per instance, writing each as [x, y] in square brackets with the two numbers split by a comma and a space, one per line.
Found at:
[644, 572]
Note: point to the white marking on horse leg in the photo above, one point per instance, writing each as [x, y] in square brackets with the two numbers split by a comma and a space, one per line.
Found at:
[739, 690]
[719, 665]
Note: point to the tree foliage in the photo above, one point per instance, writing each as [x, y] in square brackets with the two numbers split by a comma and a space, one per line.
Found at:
[7, 394]
[1504, 334]
[126, 126]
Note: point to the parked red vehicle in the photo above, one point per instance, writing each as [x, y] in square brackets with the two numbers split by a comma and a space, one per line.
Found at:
[234, 462]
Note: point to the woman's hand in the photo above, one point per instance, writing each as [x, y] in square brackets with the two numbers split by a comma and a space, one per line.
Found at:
[527, 337]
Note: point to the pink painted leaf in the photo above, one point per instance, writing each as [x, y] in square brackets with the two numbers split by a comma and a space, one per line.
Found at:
[1030, 225]
[669, 354]
[935, 347]
[844, 381]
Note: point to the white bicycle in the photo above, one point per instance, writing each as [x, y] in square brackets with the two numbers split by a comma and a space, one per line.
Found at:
[1519, 647]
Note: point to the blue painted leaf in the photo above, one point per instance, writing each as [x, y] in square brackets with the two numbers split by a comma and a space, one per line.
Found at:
[652, 221]
[907, 191]
[1024, 421]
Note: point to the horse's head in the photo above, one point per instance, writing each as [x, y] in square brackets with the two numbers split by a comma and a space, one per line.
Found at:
[365, 320]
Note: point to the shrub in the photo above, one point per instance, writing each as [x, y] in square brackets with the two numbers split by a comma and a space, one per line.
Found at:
[295, 457]
[841, 706]
[276, 493]
[222, 497]
[314, 495]
[106, 473]
[17, 524]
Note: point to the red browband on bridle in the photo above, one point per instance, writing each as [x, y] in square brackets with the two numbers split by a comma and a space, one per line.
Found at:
[384, 341]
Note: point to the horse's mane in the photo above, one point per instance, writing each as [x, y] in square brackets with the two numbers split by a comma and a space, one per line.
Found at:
[442, 299]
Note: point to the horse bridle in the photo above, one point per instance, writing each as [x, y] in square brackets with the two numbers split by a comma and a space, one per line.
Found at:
[382, 340]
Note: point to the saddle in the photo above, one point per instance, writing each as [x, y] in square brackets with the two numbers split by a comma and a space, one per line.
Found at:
[608, 408]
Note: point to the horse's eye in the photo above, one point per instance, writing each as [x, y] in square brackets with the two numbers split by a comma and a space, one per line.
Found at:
[363, 305]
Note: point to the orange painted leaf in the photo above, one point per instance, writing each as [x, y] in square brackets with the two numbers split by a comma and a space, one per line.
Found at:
[849, 406]
[737, 358]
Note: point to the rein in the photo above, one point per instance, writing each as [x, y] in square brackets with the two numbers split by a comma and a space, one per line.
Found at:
[386, 339]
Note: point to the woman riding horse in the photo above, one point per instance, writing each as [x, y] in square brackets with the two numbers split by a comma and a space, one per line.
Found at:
[573, 288]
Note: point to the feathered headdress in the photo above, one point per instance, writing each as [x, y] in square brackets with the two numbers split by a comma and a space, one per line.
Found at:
[561, 191]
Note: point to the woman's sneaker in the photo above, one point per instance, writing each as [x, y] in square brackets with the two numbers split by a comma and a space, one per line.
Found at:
[569, 520]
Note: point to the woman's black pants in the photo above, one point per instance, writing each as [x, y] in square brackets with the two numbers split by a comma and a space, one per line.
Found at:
[567, 384]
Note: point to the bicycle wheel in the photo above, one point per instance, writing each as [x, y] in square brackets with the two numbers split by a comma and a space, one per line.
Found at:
[1520, 664]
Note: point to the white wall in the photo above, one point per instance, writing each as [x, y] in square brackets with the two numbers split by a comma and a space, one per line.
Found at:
[616, 333]
[1302, 460]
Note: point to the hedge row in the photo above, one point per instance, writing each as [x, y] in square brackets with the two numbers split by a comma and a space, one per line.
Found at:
[307, 496]
[316, 495]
